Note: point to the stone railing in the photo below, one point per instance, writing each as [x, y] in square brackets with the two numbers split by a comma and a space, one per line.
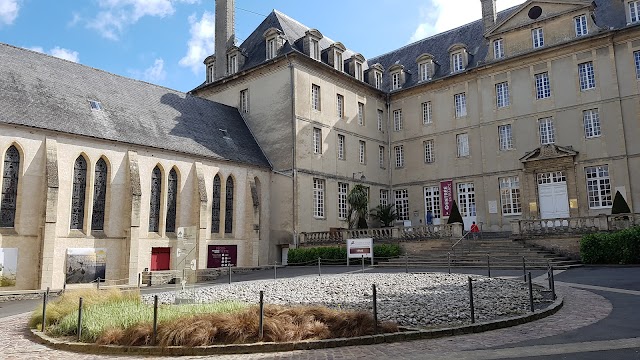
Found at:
[575, 225]
[392, 233]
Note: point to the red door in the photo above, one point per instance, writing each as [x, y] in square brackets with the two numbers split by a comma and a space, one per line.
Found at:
[160, 259]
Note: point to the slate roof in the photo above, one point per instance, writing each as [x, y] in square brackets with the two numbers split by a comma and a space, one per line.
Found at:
[44, 92]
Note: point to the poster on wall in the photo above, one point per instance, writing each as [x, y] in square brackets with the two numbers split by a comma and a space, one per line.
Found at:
[8, 267]
[446, 189]
[86, 265]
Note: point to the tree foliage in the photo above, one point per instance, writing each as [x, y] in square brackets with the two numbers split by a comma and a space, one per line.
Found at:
[385, 214]
[358, 201]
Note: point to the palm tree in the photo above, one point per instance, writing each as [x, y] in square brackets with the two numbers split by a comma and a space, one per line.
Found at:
[385, 214]
[358, 201]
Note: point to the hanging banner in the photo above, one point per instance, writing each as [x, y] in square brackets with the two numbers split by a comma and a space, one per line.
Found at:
[446, 191]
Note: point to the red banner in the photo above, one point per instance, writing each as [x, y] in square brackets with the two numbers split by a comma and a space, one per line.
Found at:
[446, 194]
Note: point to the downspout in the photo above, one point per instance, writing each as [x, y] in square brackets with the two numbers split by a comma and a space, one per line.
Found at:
[294, 139]
[389, 150]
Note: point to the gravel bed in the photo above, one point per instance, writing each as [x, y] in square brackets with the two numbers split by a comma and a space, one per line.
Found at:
[422, 300]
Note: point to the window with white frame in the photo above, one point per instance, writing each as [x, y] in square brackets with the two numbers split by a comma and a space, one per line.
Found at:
[462, 141]
[432, 201]
[314, 49]
[341, 147]
[318, 198]
[395, 81]
[502, 95]
[426, 113]
[360, 114]
[457, 62]
[581, 25]
[467, 199]
[359, 72]
[460, 101]
[510, 195]
[543, 86]
[636, 58]
[211, 71]
[547, 131]
[271, 48]
[506, 137]
[634, 11]
[244, 101]
[591, 123]
[598, 187]
[362, 151]
[381, 156]
[429, 151]
[587, 76]
[343, 191]
[339, 63]
[402, 204]
[498, 49]
[397, 120]
[317, 141]
[538, 37]
[340, 106]
[399, 150]
[378, 79]
[315, 97]
[384, 197]
[380, 120]
[424, 71]
[232, 64]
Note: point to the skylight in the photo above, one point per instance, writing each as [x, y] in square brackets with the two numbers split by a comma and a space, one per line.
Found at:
[95, 105]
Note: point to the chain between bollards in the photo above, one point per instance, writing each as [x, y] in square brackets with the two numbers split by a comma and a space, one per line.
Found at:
[155, 320]
[320, 269]
[261, 328]
[45, 298]
[533, 309]
[79, 330]
[473, 315]
[375, 308]
[488, 265]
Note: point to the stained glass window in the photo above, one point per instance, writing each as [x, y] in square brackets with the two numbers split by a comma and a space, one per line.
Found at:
[99, 195]
[79, 193]
[9, 187]
[154, 206]
[172, 201]
[228, 214]
[215, 211]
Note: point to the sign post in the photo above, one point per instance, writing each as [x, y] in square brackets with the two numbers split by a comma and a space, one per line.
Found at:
[360, 249]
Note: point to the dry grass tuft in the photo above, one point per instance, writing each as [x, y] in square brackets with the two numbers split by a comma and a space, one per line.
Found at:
[110, 336]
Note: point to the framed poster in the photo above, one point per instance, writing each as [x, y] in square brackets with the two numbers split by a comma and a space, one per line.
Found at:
[85, 265]
[8, 267]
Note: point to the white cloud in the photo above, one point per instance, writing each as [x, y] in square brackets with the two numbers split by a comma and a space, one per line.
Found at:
[201, 43]
[8, 11]
[155, 72]
[58, 52]
[443, 15]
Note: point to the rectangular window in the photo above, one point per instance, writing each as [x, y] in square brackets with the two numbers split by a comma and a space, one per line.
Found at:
[547, 131]
[402, 204]
[429, 152]
[538, 37]
[502, 94]
[317, 141]
[457, 63]
[360, 114]
[315, 97]
[359, 72]
[587, 76]
[506, 137]
[498, 49]
[340, 147]
[599, 187]
[378, 76]
[343, 191]
[380, 120]
[462, 140]
[510, 196]
[381, 156]
[467, 199]
[384, 197]
[426, 113]
[395, 77]
[244, 101]
[362, 149]
[636, 57]
[543, 87]
[460, 101]
[339, 63]
[340, 106]
[399, 156]
[432, 201]
[318, 198]
[634, 11]
[314, 50]
[271, 48]
[581, 25]
[232, 64]
[423, 69]
[397, 120]
[591, 123]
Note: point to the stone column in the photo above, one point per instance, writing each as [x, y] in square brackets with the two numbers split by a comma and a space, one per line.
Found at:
[134, 196]
[202, 216]
[47, 253]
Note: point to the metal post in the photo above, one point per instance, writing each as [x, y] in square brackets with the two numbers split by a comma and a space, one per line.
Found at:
[79, 330]
[139, 280]
[553, 284]
[473, 315]
[261, 328]
[524, 269]
[549, 277]
[275, 270]
[363, 264]
[406, 264]
[530, 292]
[155, 319]
[64, 285]
[449, 261]
[98, 284]
[229, 273]
[319, 268]
[375, 308]
[489, 265]
[44, 309]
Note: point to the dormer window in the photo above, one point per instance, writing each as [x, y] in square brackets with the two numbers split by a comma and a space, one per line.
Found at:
[335, 56]
[459, 58]
[359, 73]
[271, 48]
[311, 44]
[537, 35]
[456, 59]
[581, 25]
[95, 105]
[498, 49]
[375, 75]
[232, 64]
[426, 67]
[378, 79]
[634, 11]
[210, 62]
[210, 73]
[273, 38]
[315, 50]
[339, 63]
[397, 76]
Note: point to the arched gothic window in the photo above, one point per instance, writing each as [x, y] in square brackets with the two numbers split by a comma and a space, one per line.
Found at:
[154, 206]
[228, 214]
[172, 201]
[9, 187]
[215, 211]
[79, 193]
[99, 195]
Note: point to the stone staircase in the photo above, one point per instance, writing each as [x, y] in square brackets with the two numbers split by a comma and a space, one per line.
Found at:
[502, 253]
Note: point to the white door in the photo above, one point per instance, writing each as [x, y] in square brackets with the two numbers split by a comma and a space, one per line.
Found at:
[467, 203]
[554, 198]
[432, 203]
[285, 256]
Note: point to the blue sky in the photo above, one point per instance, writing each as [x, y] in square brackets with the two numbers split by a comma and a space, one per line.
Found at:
[165, 41]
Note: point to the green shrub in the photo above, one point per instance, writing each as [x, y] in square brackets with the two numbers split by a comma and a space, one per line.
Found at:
[302, 256]
[621, 247]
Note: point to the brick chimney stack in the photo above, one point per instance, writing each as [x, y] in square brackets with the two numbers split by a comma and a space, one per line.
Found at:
[489, 14]
[225, 34]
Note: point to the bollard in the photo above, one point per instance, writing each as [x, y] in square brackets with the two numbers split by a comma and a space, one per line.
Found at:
[320, 269]
[229, 273]
[549, 277]
[64, 286]
[98, 284]
[275, 270]
[375, 309]
[44, 309]
[155, 320]
[261, 328]
[553, 284]
[47, 293]
[524, 269]
[363, 264]
[449, 261]
[530, 292]
[406, 264]
[139, 280]
[473, 315]
[79, 330]
[488, 265]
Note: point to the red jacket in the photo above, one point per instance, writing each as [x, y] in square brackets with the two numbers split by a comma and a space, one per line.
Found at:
[474, 228]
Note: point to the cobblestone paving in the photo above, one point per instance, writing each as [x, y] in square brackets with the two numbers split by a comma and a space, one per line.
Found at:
[581, 308]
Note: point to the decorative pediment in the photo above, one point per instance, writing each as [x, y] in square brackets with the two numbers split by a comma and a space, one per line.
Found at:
[546, 152]
[533, 11]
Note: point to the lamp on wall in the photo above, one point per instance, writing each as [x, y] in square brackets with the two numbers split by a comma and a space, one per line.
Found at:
[362, 177]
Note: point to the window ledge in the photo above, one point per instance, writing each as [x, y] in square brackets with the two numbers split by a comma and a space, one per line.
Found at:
[8, 231]
[510, 215]
[75, 233]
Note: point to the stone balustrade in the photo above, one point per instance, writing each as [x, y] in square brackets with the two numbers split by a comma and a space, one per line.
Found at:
[447, 231]
[574, 225]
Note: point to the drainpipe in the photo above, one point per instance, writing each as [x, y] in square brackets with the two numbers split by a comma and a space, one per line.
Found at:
[389, 150]
[294, 139]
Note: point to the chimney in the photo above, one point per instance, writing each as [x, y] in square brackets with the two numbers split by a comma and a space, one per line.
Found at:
[225, 34]
[489, 14]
